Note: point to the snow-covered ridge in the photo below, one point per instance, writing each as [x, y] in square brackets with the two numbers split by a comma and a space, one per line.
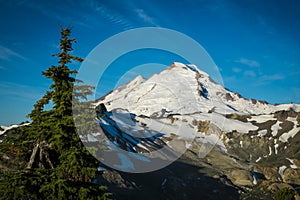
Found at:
[6, 128]
[181, 97]
[183, 89]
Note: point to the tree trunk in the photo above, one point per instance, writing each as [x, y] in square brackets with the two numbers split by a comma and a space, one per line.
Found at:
[32, 157]
[43, 159]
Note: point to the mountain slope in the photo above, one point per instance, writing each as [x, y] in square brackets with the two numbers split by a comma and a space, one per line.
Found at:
[183, 89]
[245, 141]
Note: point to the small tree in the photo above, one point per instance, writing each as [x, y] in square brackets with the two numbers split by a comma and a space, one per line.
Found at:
[59, 166]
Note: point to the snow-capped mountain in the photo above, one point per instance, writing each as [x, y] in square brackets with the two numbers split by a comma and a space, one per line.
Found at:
[183, 89]
[185, 92]
[232, 134]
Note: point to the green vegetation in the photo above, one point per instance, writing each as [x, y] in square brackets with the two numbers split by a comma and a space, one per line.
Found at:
[285, 194]
[257, 192]
[47, 160]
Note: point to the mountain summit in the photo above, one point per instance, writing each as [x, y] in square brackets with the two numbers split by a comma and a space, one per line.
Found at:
[184, 89]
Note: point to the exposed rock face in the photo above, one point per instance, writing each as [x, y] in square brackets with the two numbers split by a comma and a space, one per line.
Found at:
[292, 176]
[241, 177]
[243, 142]
[114, 178]
[270, 173]
[251, 159]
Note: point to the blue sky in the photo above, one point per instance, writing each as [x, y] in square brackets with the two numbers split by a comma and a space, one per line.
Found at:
[254, 43]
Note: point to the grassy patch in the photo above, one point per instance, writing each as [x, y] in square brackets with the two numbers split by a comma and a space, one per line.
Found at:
[203, 126]
[235, 116]
[265, 126]
[286, 126]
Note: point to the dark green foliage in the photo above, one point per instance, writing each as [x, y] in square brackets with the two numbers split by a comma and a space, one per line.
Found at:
[47, 160]
[44, 184]
[285, 194]
[257, 192]
[14, 150]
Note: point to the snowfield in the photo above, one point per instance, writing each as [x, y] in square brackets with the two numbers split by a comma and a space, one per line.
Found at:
[175, 100]
[6, 128]
[184, 89]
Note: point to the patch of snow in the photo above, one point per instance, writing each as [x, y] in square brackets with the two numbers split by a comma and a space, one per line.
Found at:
[163, 125]
[292, 119]
[258, 159]
[275, 148]
[275, 128]
[227, 140]
[101, 168]
[241, 144]
[6, 128]
[188, 145]
[281, 171]
[270, 151]
[262, 133]
[225, 124]
[255, 179]
[285, 136]
[261, 118]
[295, 107]
[293, 166]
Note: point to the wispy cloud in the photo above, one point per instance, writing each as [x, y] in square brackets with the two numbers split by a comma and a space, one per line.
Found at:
[248, 62]
[112, 16]
[236, 70]
[250, 73]
[7, 54]
[20, 91]
[266, 79]
[63, 14]
[145, 17]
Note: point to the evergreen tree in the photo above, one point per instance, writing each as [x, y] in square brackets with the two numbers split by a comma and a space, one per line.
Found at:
[58, 166]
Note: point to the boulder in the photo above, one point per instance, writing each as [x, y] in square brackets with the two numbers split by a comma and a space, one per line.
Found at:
[270, 173]
[241, 177]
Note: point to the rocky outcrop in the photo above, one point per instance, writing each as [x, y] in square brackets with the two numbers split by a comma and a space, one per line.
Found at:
[241, 177]
[270, 173]
[292, 176]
